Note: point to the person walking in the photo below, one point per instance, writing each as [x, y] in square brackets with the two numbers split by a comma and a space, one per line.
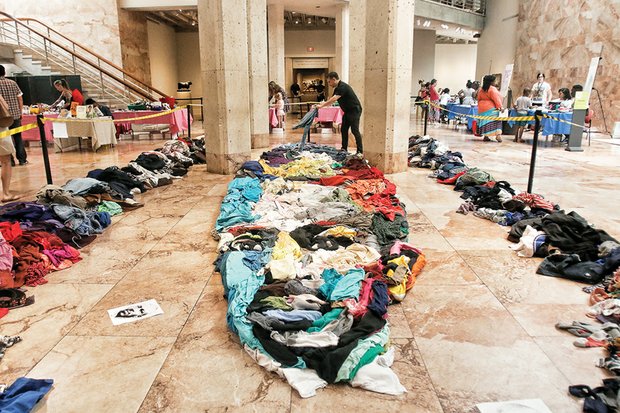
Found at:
[490, 104]
[14, 99]
[352, 108]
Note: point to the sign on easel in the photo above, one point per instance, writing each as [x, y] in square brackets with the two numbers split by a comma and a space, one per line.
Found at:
[580, 107]
[506, 78]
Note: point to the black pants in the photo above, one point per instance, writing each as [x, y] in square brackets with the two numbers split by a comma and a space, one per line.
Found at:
[20, 151]
[352, 121]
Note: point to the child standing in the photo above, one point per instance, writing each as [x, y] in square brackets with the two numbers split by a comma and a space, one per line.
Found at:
[443, 102]
[522, 104]
[280, 109]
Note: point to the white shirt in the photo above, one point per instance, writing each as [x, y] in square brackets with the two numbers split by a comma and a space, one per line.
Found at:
[541, 92]
[444, 99]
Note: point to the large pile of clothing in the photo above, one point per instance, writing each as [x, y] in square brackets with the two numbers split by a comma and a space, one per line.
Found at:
[39, 237]
[570, 246]
[313, 249]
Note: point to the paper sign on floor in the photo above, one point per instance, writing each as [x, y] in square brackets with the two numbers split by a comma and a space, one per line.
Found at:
[134, 312]
[515, 406]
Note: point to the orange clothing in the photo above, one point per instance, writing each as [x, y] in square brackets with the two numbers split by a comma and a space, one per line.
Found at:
[489, 99]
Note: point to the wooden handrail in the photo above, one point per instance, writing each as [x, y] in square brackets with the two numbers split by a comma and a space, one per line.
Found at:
[92, 64]
[98, 56]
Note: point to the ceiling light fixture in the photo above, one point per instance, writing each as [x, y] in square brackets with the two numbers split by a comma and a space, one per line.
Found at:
[418, 22]
[427, 23]
[445, 26]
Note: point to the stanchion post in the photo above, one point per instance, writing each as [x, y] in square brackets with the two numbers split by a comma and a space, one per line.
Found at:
[46, 158]
[530, 180]
[425, 116]
[189, 123]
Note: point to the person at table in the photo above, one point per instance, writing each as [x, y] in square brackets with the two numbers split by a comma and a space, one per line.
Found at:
[295, 89]
[320, 90]
[489, 104]
[566, 100]
[522, 104]
[105, 111]
[444, 99]
[69, 96]
[468, 93]
[541, 91]
[352, 108]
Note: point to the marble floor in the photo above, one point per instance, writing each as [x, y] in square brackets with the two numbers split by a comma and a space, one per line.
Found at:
[478, 326]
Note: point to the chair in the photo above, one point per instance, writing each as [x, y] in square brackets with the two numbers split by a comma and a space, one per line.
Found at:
[588, 123]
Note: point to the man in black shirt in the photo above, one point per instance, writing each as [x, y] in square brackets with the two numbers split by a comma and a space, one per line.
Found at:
[350, 105]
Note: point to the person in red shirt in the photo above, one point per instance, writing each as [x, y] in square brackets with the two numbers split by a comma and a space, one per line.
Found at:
[434, 97]
[67, 95]
[489, 104]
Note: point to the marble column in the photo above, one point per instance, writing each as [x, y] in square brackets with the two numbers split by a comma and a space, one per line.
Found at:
[387, 78]
[275, 29]
[342, 42]
[224, 62]
[258, 68]
[357, 49]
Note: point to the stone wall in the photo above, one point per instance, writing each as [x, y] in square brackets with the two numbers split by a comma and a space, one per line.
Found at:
[134, 44]
[560, 38]
[92, 23]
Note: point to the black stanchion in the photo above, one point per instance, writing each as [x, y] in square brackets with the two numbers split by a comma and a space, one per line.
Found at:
[189, 123]
[425, 111]
[46, 158]
[530, 180]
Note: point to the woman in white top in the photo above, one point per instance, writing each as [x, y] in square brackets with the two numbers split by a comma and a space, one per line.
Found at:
[566, 100]
[468, 94]
[541, 90]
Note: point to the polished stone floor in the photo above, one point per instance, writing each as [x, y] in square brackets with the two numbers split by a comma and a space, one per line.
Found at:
[478, 326]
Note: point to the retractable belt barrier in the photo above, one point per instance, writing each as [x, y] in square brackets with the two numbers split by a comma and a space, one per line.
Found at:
[510, 118]
[19, 129]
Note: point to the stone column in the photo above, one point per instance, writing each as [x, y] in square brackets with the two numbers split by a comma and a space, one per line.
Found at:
[342, 42]
[389, 46]
[275, 28]
[224, 61]
[357, 48]
[258, 68]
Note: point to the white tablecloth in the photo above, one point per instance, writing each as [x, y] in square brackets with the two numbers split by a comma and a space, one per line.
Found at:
[102, 132]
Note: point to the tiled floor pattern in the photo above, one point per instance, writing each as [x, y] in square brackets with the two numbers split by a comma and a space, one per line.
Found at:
[478, 325]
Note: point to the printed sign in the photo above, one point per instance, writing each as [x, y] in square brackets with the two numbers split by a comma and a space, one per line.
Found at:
[134, 312]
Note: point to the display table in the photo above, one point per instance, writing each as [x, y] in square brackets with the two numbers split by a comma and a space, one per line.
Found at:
[459, 109]
[33, 134]
[68, 135]
[550, 126]
[177, 119]
[331, 114]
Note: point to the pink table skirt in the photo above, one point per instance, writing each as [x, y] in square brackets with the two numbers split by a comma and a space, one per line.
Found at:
[331, 114]
[33, 134]
[177, 120]
[273, 118]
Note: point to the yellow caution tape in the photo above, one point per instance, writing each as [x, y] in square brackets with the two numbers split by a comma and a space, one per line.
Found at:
[20, 129]
[514, 118]
[155, 115]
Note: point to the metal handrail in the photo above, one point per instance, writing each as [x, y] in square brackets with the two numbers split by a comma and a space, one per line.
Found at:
[141, 89]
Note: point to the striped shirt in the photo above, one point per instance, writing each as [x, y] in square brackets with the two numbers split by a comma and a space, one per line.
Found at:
[10, 92]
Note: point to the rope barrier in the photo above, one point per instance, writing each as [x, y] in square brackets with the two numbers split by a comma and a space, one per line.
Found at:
[155, 115]
[19, 129]
[509, 118]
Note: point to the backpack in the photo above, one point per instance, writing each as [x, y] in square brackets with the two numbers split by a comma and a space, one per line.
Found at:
[6, 119]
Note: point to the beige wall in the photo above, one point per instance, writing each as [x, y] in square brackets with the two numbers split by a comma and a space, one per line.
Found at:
[423, 66]
[296, 41]
[163, 57]
[449, 56]
[93, 23]
[188, 56]
[560, 39]
[134, 44]
[498, 41]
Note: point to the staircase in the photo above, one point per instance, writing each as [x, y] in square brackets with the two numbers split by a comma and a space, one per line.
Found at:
[40, 50]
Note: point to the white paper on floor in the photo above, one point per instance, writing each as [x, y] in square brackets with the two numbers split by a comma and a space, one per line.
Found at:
[134, 312]
[514, 406]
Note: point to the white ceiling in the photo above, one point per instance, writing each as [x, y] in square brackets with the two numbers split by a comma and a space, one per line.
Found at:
[326, 8]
